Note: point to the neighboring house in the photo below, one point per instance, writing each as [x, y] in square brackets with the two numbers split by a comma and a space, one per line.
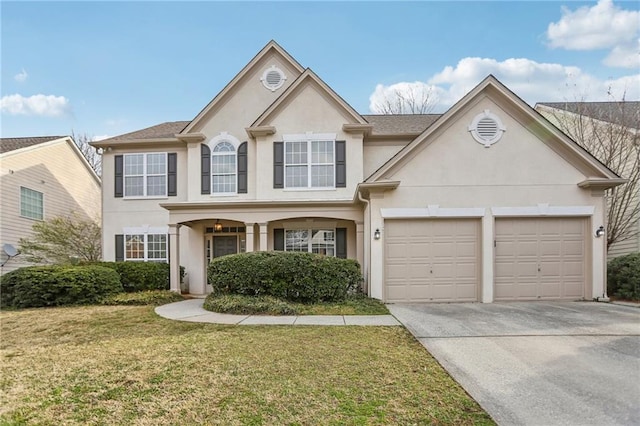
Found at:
[486, 202]
[40, 178]
[606, 124]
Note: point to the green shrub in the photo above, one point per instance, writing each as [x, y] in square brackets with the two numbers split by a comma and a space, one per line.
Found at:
[249, 305]
[623, 277]
[151, 297]
[298, 277]
[38, 286]
[142, 276]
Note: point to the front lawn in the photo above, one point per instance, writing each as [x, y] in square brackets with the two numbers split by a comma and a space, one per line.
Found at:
[125, 365]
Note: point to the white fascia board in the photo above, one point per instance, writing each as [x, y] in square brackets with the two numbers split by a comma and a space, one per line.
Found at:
[543, 210]
[431, 212]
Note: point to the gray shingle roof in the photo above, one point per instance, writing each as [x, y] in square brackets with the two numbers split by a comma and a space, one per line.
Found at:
[11, 144]
[623, 113]
[159, 131]
[401, 124]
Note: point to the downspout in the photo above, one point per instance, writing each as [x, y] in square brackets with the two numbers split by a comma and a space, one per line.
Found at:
[367, 242]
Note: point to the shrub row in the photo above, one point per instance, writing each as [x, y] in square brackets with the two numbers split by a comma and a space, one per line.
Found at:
[142, 276]
[298, 277]
[39, 286]
[623, 277]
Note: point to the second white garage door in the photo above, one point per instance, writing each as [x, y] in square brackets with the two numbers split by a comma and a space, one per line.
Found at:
[540, 259]
[432, 260]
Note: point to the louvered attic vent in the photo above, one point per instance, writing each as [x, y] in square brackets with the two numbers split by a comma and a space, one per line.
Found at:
[486, 128]
[273, 78]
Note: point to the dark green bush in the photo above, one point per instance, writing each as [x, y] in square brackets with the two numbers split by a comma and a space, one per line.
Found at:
[298, 277]
[142, 276]
[623, 277]
[151, 297]
[38, 286]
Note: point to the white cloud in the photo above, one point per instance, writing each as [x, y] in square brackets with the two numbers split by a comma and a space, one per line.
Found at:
[530, 80]
[624, 56]
[21, 77]
[403, 97]
[38, 105]
[100, 138]
[598, 27]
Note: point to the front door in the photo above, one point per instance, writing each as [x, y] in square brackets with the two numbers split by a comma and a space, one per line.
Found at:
[223, 246]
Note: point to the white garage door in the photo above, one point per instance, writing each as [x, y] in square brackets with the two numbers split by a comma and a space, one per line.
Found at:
[540, 259]
[434, 260]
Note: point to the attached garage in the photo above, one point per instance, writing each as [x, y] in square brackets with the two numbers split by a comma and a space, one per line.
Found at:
[540, 258]
[432, 260]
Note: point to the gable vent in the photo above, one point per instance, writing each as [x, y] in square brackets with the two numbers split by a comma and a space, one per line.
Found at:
[273, 78]
[486, 128]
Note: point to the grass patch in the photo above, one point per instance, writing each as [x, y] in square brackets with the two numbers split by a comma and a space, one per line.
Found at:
[126, 365]
[150, 297]
[269, 305]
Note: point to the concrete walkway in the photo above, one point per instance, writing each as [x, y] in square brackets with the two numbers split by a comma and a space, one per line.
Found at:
[191, 310]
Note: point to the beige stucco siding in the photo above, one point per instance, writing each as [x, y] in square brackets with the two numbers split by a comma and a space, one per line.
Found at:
[55, 170]
[375, 154]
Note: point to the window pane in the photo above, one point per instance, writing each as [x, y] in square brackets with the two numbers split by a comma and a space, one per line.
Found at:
[296, 153]
[156, 185]
[296, 240]
[156, 164]
[157, 247]
[134, 247]
[224, 184]
[223, 164]
[31, 204]
[133, 164]
[296, 177]
[323, 242]
[223, 147]
[322, 152]
[322, 176]
[133, 186]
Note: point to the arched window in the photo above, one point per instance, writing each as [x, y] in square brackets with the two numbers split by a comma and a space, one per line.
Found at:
[223, 168]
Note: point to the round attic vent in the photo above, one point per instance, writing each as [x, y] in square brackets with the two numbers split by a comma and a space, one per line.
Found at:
[486, 128]
[273, 78]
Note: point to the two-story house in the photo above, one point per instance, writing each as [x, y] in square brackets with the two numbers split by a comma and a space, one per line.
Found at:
[612, 129]
[40, 178]
[485, 202]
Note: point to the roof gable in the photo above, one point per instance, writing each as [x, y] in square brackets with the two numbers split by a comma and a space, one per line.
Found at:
[308, 77]
[271, 48]
[547, 133]
[12, 144]
[626, 113]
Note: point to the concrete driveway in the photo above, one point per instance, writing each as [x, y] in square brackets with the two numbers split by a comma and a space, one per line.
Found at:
[538, 363]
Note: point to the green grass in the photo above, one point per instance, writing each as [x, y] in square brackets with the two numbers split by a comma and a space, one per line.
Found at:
[149, 297]
[122, 365]
[269, 305]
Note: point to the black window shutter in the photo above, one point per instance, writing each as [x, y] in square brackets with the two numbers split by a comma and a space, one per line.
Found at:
[341, 243]
[172, 175]
[119, 247]
[341, 164]
[278, 239]
[278, 165]
[206, 169]
[242, 168]
[119, 176]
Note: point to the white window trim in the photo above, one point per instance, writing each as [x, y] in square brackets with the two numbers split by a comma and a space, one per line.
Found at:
[309, 138]
[229, 138]
[145, 232]
[144, 176]
[310, 241]
[20, 205]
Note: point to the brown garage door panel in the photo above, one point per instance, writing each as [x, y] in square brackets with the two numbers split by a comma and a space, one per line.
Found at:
[432, 260]
[541, 258]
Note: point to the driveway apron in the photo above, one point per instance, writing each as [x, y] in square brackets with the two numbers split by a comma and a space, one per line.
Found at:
[537, 363]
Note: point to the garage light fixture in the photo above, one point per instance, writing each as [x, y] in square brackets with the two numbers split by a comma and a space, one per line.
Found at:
[376, 234]
[600, 231]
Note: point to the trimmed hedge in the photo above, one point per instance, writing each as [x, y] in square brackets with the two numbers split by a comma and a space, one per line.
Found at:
[39, 286]
[623, 277]
[298, 277]
[142, 276]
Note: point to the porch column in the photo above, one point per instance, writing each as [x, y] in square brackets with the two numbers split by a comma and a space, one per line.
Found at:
[249, 237]
[360, 245]
[263, 236]
[174, 257]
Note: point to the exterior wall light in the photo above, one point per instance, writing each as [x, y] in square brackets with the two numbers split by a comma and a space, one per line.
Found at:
[600, 231]
[376, 234]
[217, 227]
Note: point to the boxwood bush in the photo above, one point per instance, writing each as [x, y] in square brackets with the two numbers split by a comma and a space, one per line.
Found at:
[298, 277]
[142, 276]
[623, 277]
[38, 286]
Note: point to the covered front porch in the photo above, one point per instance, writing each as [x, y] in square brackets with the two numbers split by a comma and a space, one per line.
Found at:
[199, 233]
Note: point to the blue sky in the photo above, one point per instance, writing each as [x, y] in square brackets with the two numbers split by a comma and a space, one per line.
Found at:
[107, 68]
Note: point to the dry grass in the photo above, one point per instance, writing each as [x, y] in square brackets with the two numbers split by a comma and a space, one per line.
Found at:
[125, 365]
